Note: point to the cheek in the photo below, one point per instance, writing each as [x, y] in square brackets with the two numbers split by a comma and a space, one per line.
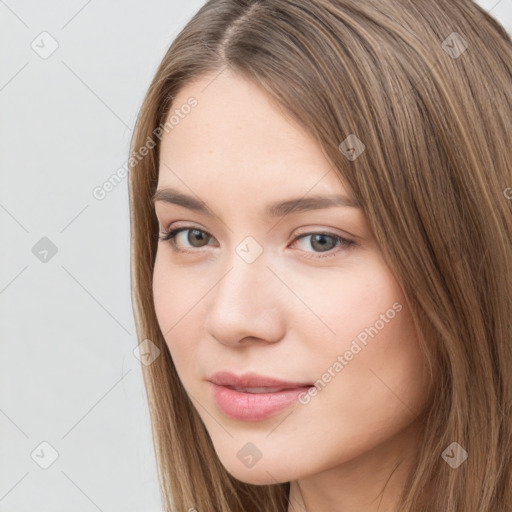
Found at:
[163, 298]
[370, 349]
[178, 308]
[372, 376]
[353, 302]
[174, 293]
[168, 302]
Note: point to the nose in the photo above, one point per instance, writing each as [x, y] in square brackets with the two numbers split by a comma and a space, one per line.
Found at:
[247, 305]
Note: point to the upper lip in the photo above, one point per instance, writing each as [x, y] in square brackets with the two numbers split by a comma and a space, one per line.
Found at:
[252, 380]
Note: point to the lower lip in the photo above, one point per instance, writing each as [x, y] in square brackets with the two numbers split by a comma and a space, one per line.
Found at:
[254, 406]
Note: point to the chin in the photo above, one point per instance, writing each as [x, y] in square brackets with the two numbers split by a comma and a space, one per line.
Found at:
[262, 473]
[253, 477]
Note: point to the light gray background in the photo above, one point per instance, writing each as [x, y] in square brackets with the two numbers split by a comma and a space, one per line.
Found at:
[68, 375]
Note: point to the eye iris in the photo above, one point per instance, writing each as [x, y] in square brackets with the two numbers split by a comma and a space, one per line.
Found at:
[199, 234]
[322, 245]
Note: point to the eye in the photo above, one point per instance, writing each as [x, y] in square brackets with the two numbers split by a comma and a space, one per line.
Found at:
[322, 242]
[195, 237]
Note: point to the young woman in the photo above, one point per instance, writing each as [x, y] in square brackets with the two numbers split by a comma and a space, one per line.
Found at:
[321, 197]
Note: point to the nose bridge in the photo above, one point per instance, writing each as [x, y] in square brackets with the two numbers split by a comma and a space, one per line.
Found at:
[244, 303]
[246, 283]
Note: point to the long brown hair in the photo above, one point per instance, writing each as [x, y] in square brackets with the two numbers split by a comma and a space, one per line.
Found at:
[426, 86]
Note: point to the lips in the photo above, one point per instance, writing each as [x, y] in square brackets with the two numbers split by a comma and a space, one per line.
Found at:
[253, 397]
[255, 390]
[254, 383]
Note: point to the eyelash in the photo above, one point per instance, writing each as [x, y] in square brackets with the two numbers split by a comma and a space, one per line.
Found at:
[170, 236]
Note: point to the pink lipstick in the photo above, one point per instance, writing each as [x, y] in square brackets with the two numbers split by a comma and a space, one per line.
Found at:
[253, 397]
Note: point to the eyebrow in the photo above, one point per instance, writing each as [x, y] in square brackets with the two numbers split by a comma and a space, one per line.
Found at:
[277, 209]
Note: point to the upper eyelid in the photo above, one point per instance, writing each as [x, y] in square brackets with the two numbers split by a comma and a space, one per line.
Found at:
[309, 232]
[347, 217]
[160, 211]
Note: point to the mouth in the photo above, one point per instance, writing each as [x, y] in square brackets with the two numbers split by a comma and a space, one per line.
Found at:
[257, 390]
[255, 404]
[254, 383]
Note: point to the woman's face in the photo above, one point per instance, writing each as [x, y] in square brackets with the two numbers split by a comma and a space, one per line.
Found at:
[279, 295]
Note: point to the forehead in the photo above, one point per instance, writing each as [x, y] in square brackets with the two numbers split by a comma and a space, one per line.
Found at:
[237, 139]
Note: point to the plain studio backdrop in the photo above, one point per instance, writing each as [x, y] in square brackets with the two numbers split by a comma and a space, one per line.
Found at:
[74, 423]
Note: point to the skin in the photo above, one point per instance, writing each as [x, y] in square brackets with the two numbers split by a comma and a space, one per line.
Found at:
[291, 312]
